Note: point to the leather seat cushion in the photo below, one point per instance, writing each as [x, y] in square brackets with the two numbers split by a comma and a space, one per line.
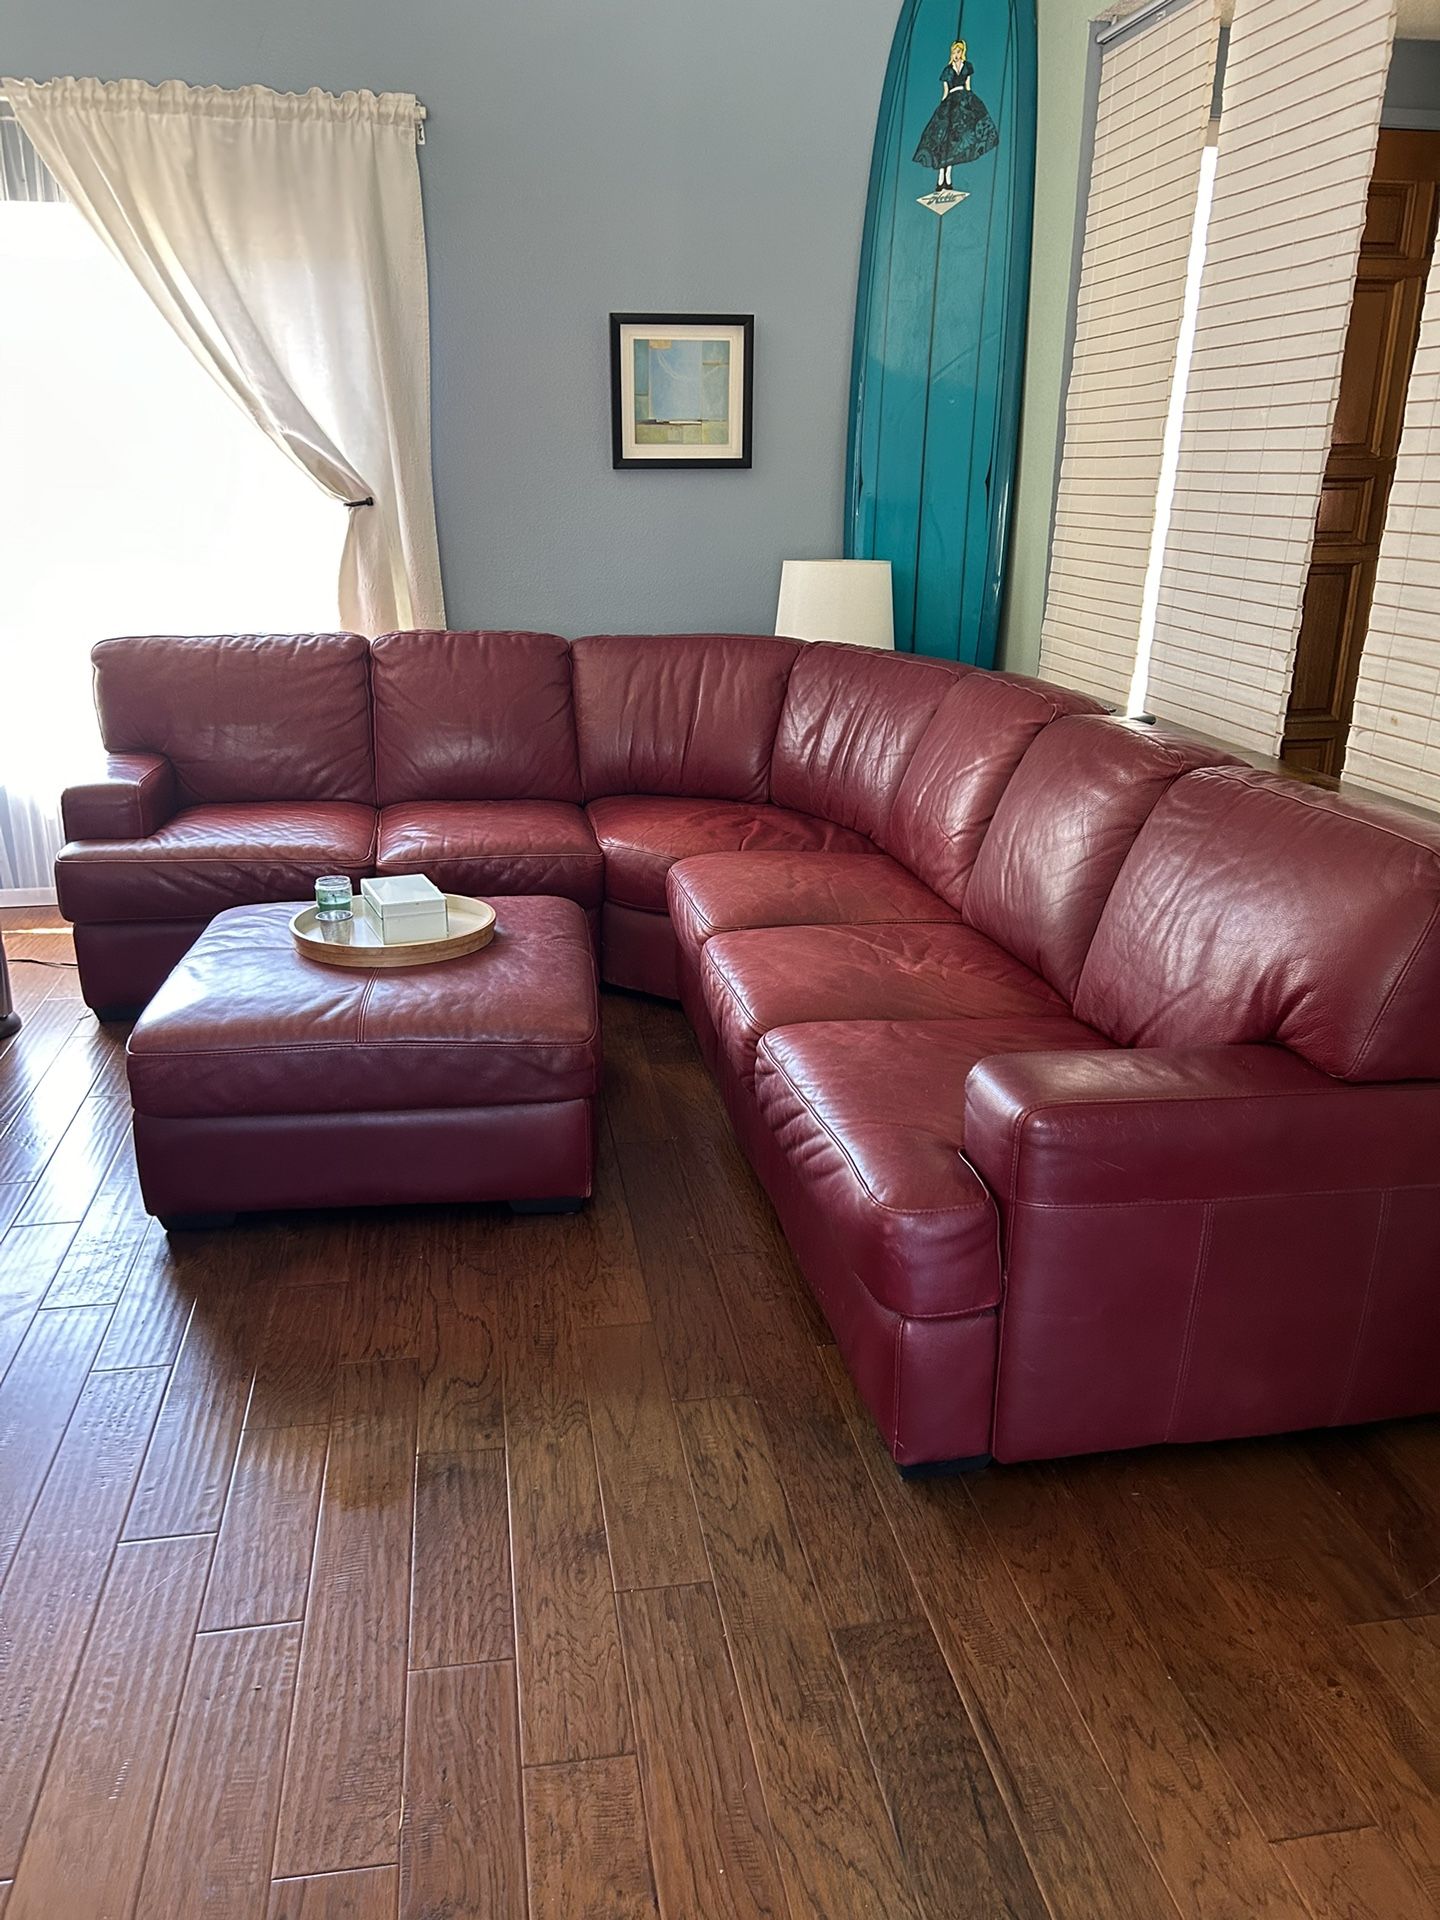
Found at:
[209, 858]
[495, 846]
[246, 1025]
[724, 892]
[870, 1115]
[643, 835]
[755, 981]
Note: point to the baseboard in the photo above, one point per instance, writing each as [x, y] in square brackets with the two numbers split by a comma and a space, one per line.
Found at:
[27, 896]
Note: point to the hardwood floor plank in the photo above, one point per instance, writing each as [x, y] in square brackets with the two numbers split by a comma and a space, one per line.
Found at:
[837, 1851]
[462, 1604]
[25, 1056]
[49, 1596]
[341, 1804]
[87, 1844]
[858, 1569]
[154, 1310]
[267, 1537]
[650, 1517]
[1204, 1838]
[1263, 1691]
[37, 1398]
[53, 1056]
[1244, 1496]
[1408, 1652]
[692, 1326]
[388, 1258]
[585, 1842]
[461, 1843]
[109, 1239]
[30, 1258]
[963, 1855]
[630, 1097]
[53, 1104]
[1354, 1875]
[571, 1677]
[209, 1853]
[187, 1470]
[584, 1267]
[462, 1400]
[369, 1893]
[296, 1366]
[12, 1198]
[710, 1836]
[1078, 1834]
[112, 1224]
[1399, 1518]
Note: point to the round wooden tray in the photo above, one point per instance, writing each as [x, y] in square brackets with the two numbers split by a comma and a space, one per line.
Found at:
[357, 942]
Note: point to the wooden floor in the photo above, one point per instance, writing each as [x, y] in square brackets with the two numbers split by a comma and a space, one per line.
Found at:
[448, 1564]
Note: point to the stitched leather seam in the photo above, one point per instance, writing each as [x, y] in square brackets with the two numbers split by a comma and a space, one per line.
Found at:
[730, 992]
[1382, 1221]
[895, 1364]
[362, 1010]
[1196, 1199]
[495, 853]
[1197, 1289]
[381, 1044]
[1187, 1100]
[900, 1213]
[181, 858]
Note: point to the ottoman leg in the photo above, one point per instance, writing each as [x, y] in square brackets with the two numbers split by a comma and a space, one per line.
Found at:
[547, 1206]
[196, 1222]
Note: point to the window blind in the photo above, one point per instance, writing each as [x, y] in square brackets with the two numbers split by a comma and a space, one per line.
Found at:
[1151, 119]
[1303, 86]
[1395, 737]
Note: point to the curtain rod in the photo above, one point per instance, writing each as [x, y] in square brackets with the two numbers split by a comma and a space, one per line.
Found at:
[422, 114]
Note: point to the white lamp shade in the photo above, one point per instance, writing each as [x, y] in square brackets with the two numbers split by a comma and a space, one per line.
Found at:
[845, 600]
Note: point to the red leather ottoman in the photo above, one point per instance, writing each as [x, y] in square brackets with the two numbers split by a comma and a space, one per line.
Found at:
[261, 1079]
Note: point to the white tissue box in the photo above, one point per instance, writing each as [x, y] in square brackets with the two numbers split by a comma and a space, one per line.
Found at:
[405, 909]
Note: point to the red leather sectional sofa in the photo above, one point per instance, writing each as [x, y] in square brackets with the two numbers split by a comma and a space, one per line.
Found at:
[1095, 1076]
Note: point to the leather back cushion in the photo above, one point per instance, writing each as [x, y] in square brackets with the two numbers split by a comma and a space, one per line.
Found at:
[243, 716]
[851, 721]
[1061, 832]
[1255, 909]
[961, 767]
[689, 714]
[473, 716]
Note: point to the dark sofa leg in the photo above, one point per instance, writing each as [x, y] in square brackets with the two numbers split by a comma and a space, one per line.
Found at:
[115, 1016]
[9, 1023]
[944, 1469]
[196, 1222]
[548, 1206]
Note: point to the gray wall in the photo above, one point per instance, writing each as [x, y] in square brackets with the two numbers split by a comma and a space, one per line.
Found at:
[585, 155]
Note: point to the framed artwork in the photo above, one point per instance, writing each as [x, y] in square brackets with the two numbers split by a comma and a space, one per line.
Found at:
[681, 389]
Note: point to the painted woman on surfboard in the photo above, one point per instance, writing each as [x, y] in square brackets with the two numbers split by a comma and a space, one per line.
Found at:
[960, 129]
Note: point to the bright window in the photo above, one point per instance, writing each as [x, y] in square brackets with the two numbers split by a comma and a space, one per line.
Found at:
[135, 497]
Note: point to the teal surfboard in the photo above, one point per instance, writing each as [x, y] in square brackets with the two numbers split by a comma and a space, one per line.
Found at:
[940, 319]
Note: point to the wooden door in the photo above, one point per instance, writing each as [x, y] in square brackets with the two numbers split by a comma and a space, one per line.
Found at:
[1384, 324]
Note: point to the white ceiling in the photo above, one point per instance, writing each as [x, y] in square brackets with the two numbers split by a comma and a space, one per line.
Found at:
[1418, 20]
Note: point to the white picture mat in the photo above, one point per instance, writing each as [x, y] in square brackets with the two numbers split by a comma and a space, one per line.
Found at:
[731, 449]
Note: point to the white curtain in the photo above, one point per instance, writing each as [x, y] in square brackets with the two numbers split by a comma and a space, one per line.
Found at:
[281, 235]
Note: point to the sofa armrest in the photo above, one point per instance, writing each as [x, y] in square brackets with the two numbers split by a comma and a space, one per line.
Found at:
[130, 798]
[1203, 1242]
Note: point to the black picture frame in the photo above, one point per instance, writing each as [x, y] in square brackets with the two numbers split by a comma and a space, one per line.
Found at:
[702, 458]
